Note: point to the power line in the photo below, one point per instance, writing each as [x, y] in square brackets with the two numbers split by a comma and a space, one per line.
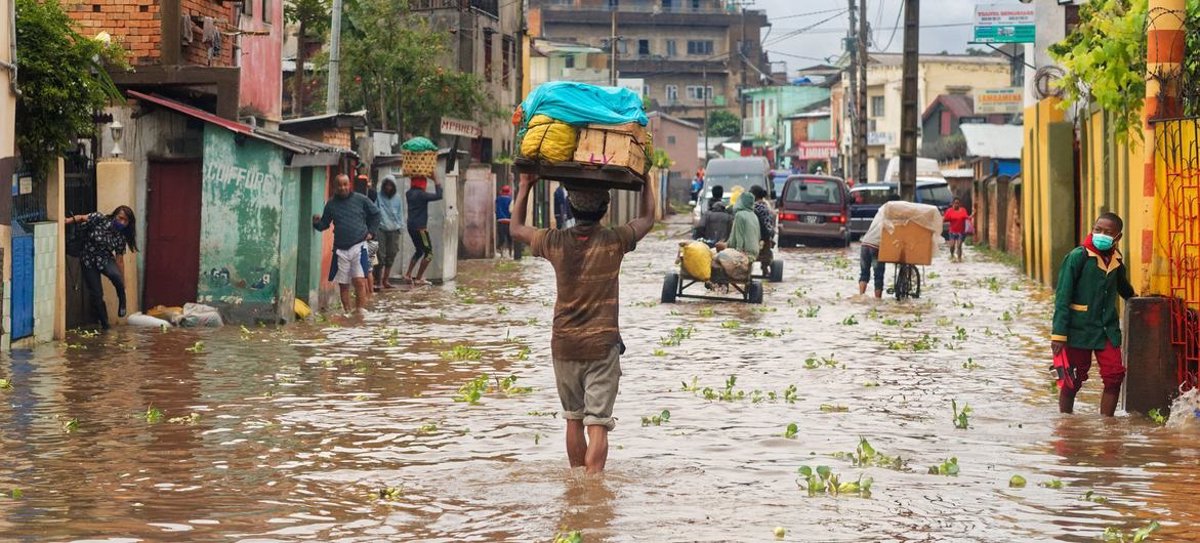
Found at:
[895, 25]
[808, 14]
[842, 31]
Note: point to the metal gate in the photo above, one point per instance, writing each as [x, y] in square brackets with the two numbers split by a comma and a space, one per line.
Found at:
[22, 282]
[1178, 142]
[79, 198]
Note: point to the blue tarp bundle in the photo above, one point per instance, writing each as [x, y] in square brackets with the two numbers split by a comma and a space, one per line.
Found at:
[579, 104]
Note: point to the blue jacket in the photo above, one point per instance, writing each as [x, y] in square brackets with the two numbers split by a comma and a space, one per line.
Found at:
[391, 213]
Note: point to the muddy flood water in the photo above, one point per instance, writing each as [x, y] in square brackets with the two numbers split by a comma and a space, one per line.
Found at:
[347, 430]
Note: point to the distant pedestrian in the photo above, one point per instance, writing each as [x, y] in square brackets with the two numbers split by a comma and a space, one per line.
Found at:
[1086, 321]
[957, 217]
[418, 226]
[766, 226]
[586, 342]
[391, 226]
[503, 219]
[105, 239]
[868, 254]
[716, 221]
[356, 221]
[562, 209]
[697, 185]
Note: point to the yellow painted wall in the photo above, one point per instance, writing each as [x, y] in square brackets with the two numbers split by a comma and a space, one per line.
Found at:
[115, 187]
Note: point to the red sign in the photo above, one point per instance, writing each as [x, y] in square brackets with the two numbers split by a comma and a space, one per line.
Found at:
[816, 150]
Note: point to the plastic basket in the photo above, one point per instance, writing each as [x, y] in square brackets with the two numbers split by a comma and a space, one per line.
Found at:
[422, 163]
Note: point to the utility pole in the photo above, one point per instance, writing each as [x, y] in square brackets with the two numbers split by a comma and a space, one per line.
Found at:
[612, 50]
[863, 57]
[742, 57]
[852, 98]
[908, 102]
[704, 74]
[335, 56]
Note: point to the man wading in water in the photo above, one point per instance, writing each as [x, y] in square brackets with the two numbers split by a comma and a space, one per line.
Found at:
[586, 342]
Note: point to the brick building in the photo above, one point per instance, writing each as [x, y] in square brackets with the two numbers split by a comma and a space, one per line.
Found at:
[221, 56]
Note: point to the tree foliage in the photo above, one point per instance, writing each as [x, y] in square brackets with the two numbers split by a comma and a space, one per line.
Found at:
[63, 81]
[723, 124]
[1105, 59]
[311, 18]
[392, 64]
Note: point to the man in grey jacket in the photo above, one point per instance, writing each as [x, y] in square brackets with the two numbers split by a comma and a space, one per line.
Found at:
[356, 221]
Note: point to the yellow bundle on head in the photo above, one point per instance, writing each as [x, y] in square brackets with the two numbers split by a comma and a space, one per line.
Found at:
[697, 260]
[549, 140]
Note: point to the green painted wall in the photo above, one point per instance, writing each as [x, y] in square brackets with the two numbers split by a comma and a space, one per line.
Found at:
[309, 246]
[240, 226]
[289, 243]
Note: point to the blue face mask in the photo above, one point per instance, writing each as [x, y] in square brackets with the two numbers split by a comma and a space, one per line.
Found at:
[119, 227]
[1103, 242]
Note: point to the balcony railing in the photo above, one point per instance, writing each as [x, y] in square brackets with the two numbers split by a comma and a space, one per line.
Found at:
[641, 7]
[491, 7]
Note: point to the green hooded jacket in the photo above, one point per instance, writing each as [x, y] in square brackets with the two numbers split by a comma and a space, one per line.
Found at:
[745, 235]
[1085, 301]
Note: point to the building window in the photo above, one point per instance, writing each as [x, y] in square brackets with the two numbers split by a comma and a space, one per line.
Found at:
[506, 63]
[644, 48]
[667, 5]
[672, 94]
[700, 47]
[697, 92]
[614, 4]
[487, 56]
[264, 11]
[670, 140]
[569, 61]
[645, 90]
[877, 106]
[671, 50]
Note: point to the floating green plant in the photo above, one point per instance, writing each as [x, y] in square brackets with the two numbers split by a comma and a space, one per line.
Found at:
[962, 418]
[949, 467]
[657, 420]
[153, 415]
[471, 391]
[823, 480]
[1016, 481]
[462, 352]
[197, 347]
[791, 430]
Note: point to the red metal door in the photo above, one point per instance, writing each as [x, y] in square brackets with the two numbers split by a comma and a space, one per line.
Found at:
[172, 233]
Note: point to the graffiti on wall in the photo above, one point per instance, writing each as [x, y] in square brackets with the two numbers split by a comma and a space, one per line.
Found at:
[241, 223]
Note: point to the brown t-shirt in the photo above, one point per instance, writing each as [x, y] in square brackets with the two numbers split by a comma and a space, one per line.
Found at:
[587, 266]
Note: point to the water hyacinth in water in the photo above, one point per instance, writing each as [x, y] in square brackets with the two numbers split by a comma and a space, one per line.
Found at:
[346, 429]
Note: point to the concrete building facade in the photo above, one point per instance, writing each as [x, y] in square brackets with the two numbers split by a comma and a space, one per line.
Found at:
[8, 152]
[937, 75]
[688, 52]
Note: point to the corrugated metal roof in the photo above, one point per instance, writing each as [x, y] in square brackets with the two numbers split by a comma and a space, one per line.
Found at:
[993, 140]
[290, 142]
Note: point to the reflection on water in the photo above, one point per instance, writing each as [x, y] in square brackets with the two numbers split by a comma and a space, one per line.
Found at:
[346, 429]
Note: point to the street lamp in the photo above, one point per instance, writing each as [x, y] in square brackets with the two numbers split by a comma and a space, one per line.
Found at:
[117, 130]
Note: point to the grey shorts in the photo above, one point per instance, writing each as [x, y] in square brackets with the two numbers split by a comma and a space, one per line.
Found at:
[588, 390]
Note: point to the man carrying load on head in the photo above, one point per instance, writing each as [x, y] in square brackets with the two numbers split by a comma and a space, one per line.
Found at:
[418, 226]
[586, 341]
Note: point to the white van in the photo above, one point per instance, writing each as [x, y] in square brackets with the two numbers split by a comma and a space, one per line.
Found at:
[927, 169]
[728, 173]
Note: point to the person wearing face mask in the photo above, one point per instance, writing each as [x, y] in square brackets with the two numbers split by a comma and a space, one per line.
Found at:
[1086, 322]
[105, 240]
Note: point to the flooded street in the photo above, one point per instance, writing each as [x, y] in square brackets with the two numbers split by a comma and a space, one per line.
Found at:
[347, 429]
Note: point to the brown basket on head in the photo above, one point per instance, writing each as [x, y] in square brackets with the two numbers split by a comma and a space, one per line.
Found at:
[419, 163]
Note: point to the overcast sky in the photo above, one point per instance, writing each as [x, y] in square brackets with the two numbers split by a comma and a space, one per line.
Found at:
[788, 41]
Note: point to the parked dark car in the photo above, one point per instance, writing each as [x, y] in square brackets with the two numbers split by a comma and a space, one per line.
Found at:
[813, 208]
[865, 201]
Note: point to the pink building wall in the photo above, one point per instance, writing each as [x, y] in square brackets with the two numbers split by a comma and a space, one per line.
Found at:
[261, 57]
